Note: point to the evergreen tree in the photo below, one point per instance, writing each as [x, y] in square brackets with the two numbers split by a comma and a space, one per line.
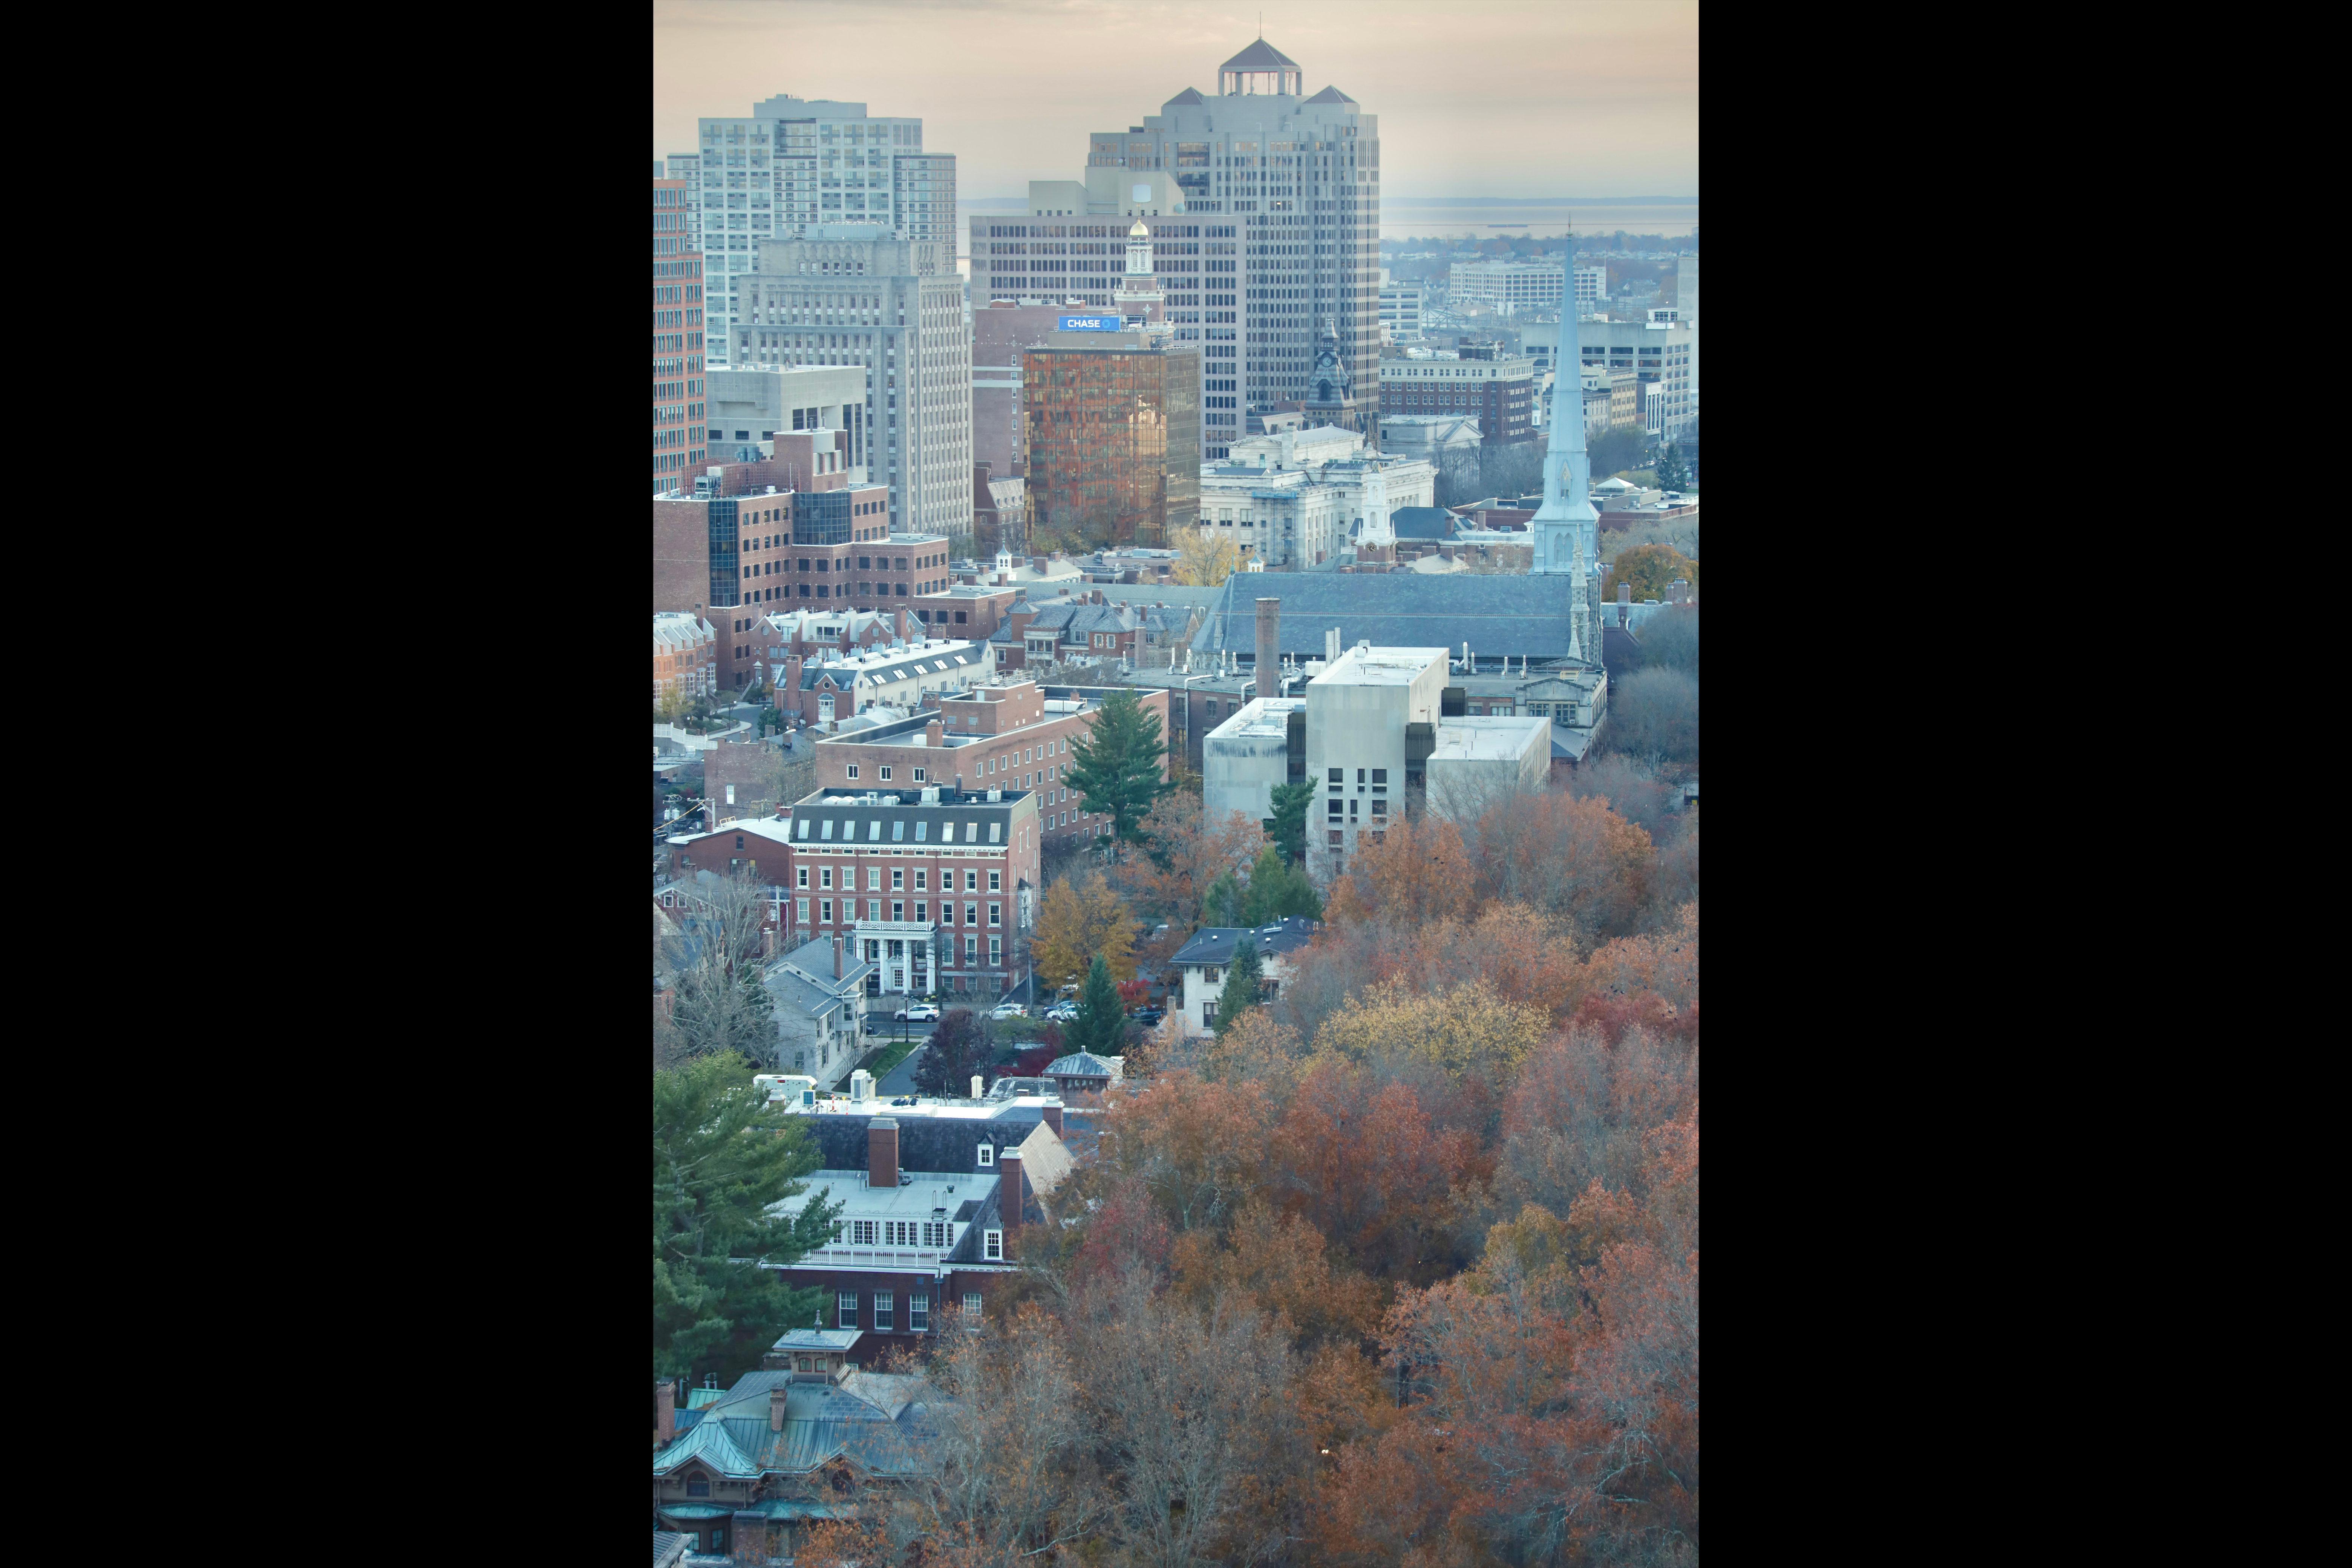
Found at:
[1101, 1022]
[1120, 768]
[722, 1158]
[1240, 993]
[1222, 905]
[1670, 468]
[1288, 826]
[1277, 890]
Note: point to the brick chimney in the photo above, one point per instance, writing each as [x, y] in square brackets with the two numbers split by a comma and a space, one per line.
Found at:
[836, 954]
[1008, 1202]
[664, 1411]
[932, 733]
[1269, 645]
[882, 1152]
[776, 1398]
[1054, 1119]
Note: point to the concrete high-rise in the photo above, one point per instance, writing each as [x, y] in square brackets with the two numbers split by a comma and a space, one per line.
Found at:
[857, 294]
[795, 162]
[677, 339]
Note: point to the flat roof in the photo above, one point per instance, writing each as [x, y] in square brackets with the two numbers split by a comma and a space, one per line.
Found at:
[1267, 716]
[1381, 666]
[1494, 739]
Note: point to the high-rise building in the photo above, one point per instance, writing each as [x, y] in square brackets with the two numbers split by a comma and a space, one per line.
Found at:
[795, 162]
[1662, 353]
[677, 334]
[1401, 312]
[688, 166]
[1592, 289]
[1284, 191]
[857, 294]
[1113, 437]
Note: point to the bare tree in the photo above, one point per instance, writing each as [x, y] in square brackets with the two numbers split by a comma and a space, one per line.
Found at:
[1654, 718]
[714, 961]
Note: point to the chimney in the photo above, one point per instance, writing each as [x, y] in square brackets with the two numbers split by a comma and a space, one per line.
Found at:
[1269, 641]
[882, 1152]
[1624, 593]
[932, 733]
[1008, 1202]
[837, 955]
[664, 1411]
[776, 1399]
[975, 1086]
[1054, 1119]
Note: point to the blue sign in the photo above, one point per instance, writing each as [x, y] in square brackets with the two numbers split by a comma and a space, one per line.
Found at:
[1092, 324]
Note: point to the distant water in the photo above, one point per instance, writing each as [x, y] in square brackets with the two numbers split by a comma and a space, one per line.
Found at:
[1408, 218]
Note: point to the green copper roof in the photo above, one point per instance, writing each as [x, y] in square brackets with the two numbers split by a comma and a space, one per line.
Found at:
[711, 1443]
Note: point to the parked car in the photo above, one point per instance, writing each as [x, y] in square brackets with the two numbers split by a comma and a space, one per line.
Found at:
[1149, 1015]
[1062, 1013]
[919, 1011]
[1008, 1010]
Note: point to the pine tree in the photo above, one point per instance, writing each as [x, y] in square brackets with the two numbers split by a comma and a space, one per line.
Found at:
[1276, 891]
[1241, 975]
[1287, 827]
[1121, 767]
[722, 1158]
[1101, 1022]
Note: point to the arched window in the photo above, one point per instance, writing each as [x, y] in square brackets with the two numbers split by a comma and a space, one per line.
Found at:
[697, 1484]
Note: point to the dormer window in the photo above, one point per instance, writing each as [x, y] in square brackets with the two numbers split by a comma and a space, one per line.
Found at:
[987, 1155]
[699, 1485]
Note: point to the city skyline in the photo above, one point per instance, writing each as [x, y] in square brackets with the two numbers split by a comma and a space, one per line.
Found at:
[1455, 99]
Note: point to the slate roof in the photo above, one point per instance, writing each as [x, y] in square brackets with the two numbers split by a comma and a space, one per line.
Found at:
[1261, 55]
[1330, 95]
[1421, 522]
[1519, 616]
[669, 1545]
[1216, 944]
[941, 1145]
[961, 655]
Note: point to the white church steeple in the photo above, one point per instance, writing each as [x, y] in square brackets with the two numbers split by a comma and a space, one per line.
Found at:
[1565, 528]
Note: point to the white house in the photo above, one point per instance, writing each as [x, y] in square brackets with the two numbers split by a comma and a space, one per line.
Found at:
[1205, 959]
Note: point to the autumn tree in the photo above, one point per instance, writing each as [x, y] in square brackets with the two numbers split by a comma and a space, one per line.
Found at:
[1567, 856]
[1365, 1162]
[1197, 1148]
[1468, 1029]
[1205, 557]
[1649, 569]
[1187, 850]
[1076, 922]
[1281, 1265]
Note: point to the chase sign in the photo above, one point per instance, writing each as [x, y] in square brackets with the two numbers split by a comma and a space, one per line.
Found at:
[1092, 324]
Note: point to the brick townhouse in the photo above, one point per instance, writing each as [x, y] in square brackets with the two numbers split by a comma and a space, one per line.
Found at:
[904, 677]
[1016, 733]
[1088, 626]
[686, 651]
[937, 887]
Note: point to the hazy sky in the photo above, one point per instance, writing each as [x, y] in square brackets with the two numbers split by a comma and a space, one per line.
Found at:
[1476, 98]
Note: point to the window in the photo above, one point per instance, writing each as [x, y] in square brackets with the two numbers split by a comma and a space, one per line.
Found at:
[882, 1311]
[970, 881]
[972, 1303]
[919, 779]
[802, 873]
[918, 1312]
[828, 903]
[995, 917]
[994, 1251]
[1338, 776]
[1208, 1012]
[987, 1155]
[921, 880]
[886, 775]
[971, 944]
[897, 880]
[995, 831]
[697, 1484]
[996, 881]
[853, 769]
[995, 947]
[846, 1317]
[825, 876]
[861, 1232]
[873, 878]
[802, 912]
[731, 800]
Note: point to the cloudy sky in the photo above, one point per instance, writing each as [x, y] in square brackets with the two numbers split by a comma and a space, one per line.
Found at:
[1476, 98]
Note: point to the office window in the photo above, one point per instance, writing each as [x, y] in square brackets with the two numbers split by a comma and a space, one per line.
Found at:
[845, 1315]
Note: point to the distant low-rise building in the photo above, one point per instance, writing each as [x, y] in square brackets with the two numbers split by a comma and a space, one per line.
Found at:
[686, 654]
[1209, 953]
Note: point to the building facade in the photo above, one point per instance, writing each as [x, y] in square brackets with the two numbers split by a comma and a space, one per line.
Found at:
[792, 164]
[1662, 354]
[1401, 313]
[752, 406]
[686, 652]
[852, 294]
[1505, 287]
[1492, 386]
[936, 887]
[1302, 499]
[677, 334]
[1113, 438]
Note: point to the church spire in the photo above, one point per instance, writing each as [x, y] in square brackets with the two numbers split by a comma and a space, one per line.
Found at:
[1566, 527]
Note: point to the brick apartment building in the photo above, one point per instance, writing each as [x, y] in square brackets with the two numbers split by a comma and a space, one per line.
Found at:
[1015, 735]
[877, 864]
[1492, 385]
[1091, 627]
[685, 653]
[966, 610]
[729, 557]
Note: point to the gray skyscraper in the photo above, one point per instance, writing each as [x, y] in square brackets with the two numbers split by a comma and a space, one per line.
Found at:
[1295, 180]
[793, 162]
